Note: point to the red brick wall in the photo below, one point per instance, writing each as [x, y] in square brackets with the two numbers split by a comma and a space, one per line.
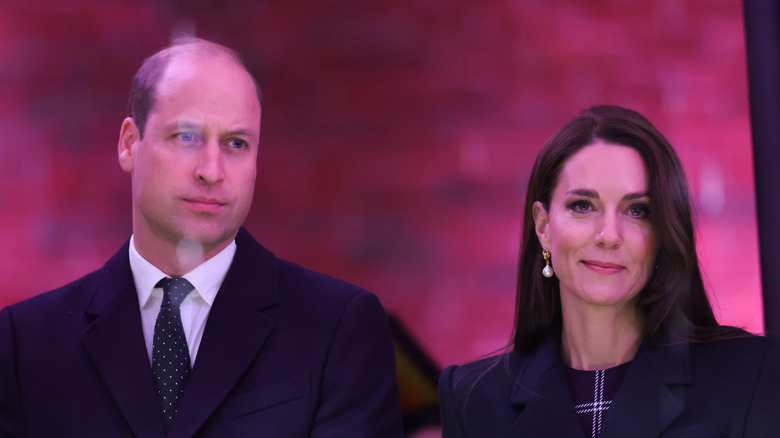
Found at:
[397, 136]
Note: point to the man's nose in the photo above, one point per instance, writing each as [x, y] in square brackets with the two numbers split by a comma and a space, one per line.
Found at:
[210, 164]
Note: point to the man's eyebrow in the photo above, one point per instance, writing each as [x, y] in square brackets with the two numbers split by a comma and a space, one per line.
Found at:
[588, 193]
[184, 124]
[240, 132]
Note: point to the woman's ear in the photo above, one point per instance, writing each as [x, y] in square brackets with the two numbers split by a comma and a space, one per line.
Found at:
[542, 224]
[128, 140]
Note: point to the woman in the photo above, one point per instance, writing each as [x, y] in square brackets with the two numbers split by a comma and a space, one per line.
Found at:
[613, 335]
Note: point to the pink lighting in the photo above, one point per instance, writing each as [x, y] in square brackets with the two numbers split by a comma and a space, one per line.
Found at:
[397, 137]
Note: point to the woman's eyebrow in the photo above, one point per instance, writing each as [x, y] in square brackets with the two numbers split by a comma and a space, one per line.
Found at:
[588, 193]
[584, 192]
[637, 195]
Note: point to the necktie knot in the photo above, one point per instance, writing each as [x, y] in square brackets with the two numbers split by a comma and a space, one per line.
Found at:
[174, 290]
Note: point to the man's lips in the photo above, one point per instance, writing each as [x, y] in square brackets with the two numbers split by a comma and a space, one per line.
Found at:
[206, 205]
[605, 268]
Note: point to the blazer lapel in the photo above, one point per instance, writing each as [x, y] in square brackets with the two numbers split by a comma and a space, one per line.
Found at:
[114, 340]
[652, 394]
[542, 396]
[235, 332]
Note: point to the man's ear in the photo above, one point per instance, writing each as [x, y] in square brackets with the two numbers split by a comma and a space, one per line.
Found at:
[542, 224]
[129, 136]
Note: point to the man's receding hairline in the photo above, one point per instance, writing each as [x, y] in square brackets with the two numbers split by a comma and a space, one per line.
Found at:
[198, 54]
[153, 69]
[201, 48]
[198, 48]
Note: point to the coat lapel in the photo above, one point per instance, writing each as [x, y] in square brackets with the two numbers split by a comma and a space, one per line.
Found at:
[652, 394]
[236, 329]
[114, 340]
[542, 396]
[650, 398]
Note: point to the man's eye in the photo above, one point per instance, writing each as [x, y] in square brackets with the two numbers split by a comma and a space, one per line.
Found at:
[238, 143]
[186, 136]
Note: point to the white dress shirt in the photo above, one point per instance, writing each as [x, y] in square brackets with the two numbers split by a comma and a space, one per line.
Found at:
[207, 279]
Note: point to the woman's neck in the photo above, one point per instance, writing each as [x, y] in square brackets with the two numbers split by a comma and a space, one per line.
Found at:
[600, 337]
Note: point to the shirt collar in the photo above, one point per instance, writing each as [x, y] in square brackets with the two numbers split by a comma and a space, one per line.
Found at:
[206, 278]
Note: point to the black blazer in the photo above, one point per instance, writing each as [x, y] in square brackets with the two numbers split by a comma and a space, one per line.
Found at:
[717, 389]
[286, 352]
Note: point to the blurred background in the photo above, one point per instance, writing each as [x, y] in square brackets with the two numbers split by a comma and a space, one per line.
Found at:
[397, 137]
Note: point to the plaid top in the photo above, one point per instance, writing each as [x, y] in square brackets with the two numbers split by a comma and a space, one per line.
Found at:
[592, 392]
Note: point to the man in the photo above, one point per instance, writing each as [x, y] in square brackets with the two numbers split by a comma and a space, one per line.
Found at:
[193, 329]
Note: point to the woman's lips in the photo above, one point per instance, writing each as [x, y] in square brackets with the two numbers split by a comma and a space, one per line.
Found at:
[604, 268]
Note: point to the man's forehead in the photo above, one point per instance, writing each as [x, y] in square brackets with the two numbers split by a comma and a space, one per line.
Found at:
[190, 77]
[194, 89]
[186, 65]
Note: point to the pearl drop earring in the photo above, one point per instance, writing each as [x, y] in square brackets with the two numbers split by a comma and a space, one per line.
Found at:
[548, 270]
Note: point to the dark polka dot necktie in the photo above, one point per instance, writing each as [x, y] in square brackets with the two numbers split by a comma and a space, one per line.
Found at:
[170, 355]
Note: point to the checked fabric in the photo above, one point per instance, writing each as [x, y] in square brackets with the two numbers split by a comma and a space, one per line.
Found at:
[170, 354]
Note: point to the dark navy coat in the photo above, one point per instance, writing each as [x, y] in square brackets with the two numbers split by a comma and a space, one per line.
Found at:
[286, 352]
[699, 390]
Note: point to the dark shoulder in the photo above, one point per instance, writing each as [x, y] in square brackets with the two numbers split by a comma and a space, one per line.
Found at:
[78, 294]
[74, 295]
[304, 279]
[326, 302]
[748, 344]
[473, 398]
[469, 373]
[483, 378]
[744, 352]
[290, 278]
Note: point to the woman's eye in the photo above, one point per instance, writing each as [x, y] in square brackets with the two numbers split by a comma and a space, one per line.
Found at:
[639, 211]
[580, 206]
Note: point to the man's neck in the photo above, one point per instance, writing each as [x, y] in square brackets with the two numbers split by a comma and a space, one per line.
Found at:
[178, 259]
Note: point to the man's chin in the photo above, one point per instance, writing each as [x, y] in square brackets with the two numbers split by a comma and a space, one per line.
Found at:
[204, 243]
